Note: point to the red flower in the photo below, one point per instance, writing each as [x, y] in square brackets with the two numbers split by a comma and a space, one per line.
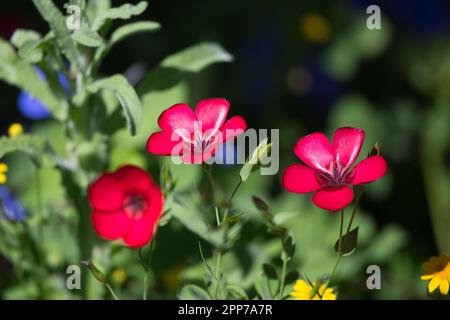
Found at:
[126, 204]
[327, 169]
[195, 136]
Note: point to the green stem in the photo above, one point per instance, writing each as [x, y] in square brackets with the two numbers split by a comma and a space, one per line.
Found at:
[231, 199]
[111, 291]
[217, 273]
[283, 276]
[339, 256]
[144, 294]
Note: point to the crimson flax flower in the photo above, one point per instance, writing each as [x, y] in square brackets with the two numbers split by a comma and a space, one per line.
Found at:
[195, 136]
[327, 170]
[126, 204]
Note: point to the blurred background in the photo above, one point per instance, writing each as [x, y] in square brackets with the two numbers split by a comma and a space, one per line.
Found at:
[299, 66]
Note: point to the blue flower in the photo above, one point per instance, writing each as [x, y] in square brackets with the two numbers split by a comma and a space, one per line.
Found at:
[10, 207]
[31, 107]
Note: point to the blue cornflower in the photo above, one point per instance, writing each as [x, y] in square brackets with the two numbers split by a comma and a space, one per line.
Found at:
[31, 107]
[10, 207]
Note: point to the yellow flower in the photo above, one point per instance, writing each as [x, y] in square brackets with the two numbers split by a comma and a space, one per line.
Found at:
[119, 275]
[3, 171]
[302, 291]
[315, 27]
[15, 130]
[437, 270]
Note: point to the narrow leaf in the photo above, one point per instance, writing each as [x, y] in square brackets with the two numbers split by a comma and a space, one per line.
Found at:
[87, 37]
[270, 271]
[21, 74]
[349, 242]
[178, 66]
[57, 23]
[125, 11]
[127, 97]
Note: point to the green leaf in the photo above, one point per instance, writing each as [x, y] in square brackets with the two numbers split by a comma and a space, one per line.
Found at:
[349, 242]
[188, 215]
[178, 66]
[21, 36]
[254, 162]
[128, 30]
[262, 287]
[269, 271]
[97, 7]
[57, 22]
[288, 248]
[122, 33]
[21, 74]
[124, 12]
[87, 37]
[34, 146]
[193, 292]
[291, 277]
[237, 291]
[100, 276]
[127, 97]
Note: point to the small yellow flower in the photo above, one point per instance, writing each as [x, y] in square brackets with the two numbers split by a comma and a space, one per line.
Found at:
[15, 130]
[315, 27]
[119, 275]
[3, 171]
[437, 270]
[302, 291]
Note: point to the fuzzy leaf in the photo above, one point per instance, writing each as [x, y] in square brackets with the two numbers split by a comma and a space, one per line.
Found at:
[178, 66]
[124, 12]
[87, 37]
[127, 97]
[34, 146]
[21, 74]
[57, 22]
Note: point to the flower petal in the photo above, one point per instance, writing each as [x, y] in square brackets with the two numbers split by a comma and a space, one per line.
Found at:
[444, 287]
[110, 225]
[333, 199]
[315, 151]
[212, 113]
[300, 179]
[434, 283]
[233, 127]
[427, 276]
[161, 143]
[140, 232]
[134, 178]
[179, 116]
[105, 193]
[346, 145]
[368, 170]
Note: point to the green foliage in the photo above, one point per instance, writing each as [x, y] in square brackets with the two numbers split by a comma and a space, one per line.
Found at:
[21, 74]
[127, 97]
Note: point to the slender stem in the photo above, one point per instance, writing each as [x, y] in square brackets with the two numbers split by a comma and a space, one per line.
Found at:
[231, 199]
[111, 291]
[283, 276]
[235, 190]
[217, 273]
[358, 197]
[339, 256]
[208, 170]
[145, 262]
[144, 294]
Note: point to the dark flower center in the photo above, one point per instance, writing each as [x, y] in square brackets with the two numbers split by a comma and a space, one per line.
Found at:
[336, 177]
[135, 204]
